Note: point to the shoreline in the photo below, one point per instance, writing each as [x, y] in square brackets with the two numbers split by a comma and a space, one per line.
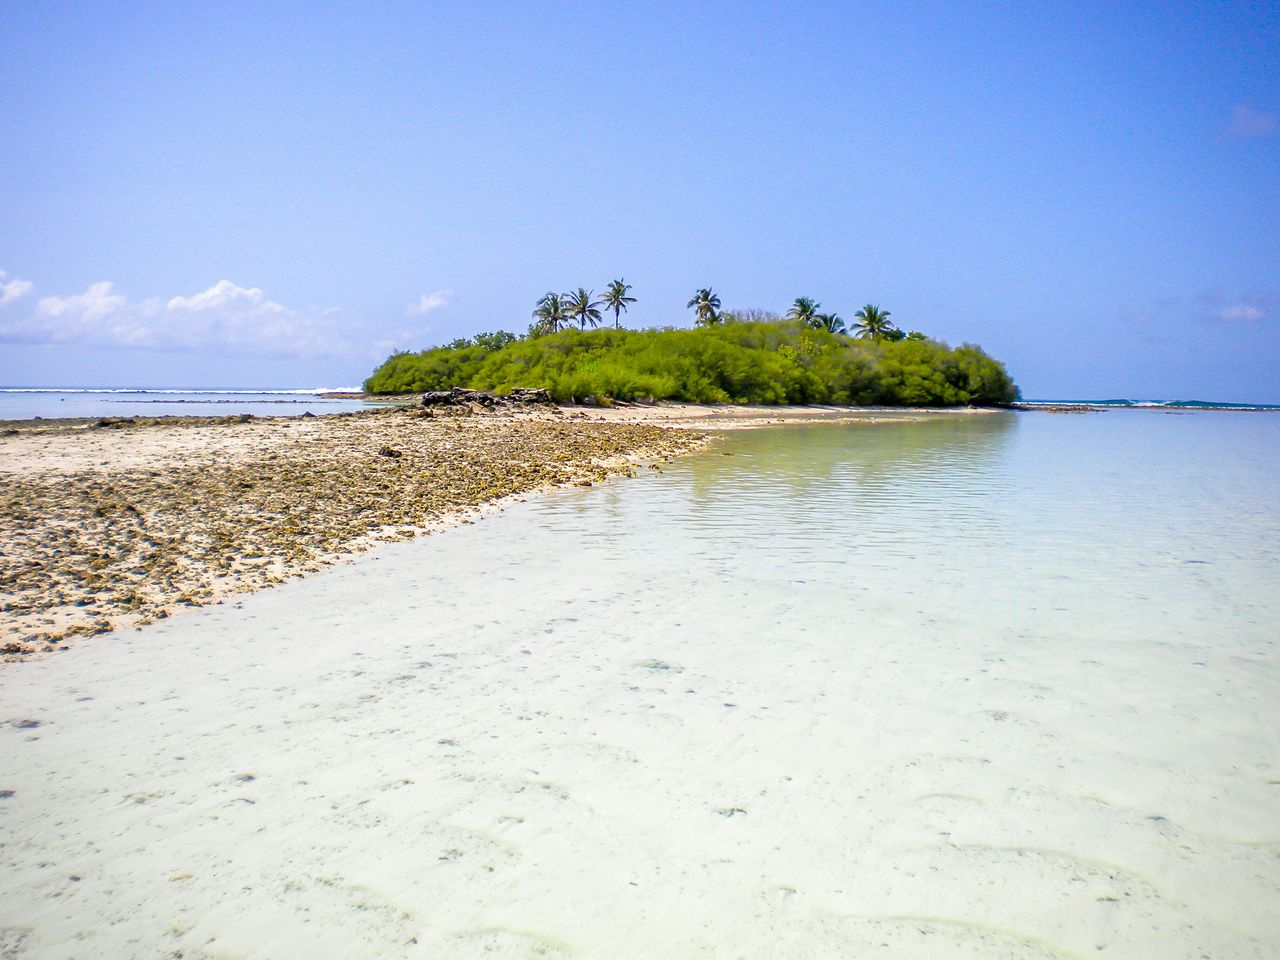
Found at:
[723, 415]
[119, 525]
[117, 522]
[718, 416]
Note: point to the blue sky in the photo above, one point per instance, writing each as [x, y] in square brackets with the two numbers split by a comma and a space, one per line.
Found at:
[224, 195]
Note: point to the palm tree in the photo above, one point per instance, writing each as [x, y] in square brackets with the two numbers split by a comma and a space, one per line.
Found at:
[616, 299]
[550, 313]
[830, 322]
[583, 309]
[803, 309]
[706, 305]
[873, 323]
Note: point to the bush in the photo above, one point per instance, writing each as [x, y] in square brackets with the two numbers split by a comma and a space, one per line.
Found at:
[743, 362]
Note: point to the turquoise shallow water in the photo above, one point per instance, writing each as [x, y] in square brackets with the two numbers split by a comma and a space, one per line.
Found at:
[1028, 655]
[1104, 523]
[1128, 526]
[982, 686]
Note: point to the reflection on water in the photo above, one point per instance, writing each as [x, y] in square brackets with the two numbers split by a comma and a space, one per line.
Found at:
[1067, 522]
[852, 490]
[978, 687]
[889, 456]
[1018, 660]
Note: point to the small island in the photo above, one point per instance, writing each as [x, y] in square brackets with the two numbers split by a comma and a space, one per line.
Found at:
[729, 357]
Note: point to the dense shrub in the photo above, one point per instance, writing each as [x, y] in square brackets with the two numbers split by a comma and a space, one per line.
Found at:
[772, 363]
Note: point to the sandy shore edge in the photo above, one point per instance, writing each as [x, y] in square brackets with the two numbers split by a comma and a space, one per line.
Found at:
[111, 523]
[118, 523]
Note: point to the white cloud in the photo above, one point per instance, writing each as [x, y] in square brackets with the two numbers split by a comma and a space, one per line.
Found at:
[96, 303]
[1216, 308]
[1241, 311]
[225, 294]
[1248, 122]
[225, 319]
[428, 302]
[12, 289]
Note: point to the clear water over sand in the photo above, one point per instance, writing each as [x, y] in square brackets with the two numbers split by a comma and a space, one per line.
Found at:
[983, 686]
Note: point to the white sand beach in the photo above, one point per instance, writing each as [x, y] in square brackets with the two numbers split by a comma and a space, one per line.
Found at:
[531, 737]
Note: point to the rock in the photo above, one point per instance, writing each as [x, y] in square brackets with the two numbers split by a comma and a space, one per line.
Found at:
[530, 395]
[390, 452]
[457, 397]
[307, 414]
[462, 397]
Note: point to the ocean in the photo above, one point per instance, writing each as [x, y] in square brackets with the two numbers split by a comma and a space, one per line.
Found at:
[25, 403]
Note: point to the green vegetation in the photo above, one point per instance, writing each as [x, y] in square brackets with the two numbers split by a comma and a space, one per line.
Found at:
[873, 324]
[550, 314]
[732, 356]
[804, 309]
[616, 299]
[583, 309]
[706, 308]
[725, 360]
